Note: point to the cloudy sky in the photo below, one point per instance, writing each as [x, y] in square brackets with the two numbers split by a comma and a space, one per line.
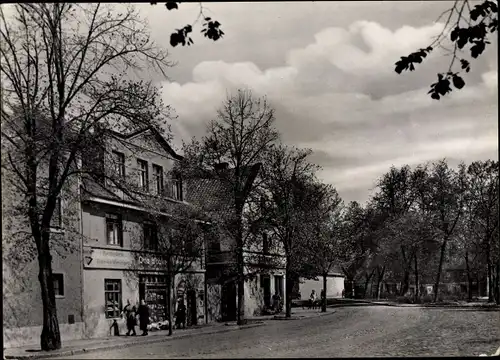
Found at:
[327, 68]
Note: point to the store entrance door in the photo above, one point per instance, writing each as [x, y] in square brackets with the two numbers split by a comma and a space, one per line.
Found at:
[192, 318]
[153, 289]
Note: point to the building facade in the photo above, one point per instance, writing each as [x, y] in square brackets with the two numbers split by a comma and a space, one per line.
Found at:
[122, 260]
[264, 265]
[102, 263]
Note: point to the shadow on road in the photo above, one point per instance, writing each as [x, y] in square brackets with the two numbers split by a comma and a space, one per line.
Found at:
[489, 341]
[475, 309]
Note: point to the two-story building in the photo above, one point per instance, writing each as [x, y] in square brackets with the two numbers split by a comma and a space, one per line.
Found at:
[122, 261]
[264, 262]
[104, 249]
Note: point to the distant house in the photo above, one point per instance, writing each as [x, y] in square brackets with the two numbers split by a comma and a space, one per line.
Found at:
[334, 286]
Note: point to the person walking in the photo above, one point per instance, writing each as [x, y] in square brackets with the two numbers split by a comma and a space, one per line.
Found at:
[180, 315]
[129, 313]
[312, 299]
[143, 312]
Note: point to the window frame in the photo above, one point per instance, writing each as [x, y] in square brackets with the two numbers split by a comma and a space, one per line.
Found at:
[111, 218]
[57, 226]
[158, 177]
[116, 313]
[119, 162]
[177, 191]
[150, 225]
[143, 174]
[60, 278]
[266, 243]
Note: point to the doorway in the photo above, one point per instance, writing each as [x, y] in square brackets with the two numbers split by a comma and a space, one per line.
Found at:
[192, 318]
[265, 284]
[228, 302]
[278, 285]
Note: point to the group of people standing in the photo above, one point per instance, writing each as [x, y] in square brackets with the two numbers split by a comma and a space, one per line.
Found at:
[131, 313]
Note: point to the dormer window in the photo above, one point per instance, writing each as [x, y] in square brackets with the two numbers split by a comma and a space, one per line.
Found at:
[158, 179]
[119, 163]
[177, 187]
[143, 175]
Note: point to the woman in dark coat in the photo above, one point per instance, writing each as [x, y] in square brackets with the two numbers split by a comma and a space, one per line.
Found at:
[131, 322]
[143, 317]
[180, 315]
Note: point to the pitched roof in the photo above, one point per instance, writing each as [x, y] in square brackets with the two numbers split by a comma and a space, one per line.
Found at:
[91, 188]
[158, 137]
[214, 196]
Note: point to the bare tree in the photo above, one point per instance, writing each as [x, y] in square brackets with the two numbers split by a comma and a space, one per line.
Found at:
[240, 137]
[483, 194]
[394, 199]
[327, 247]
[446, 193]
[63, 69]
[284, 169]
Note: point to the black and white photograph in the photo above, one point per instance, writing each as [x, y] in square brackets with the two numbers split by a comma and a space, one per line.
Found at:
[259, 179]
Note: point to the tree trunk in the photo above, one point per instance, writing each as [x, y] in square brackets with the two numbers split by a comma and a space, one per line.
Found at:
[170, 282]
[490, 280]
[469, 277]
[241, 287]
[405, 284]
[323, 300]
[497, 283]
[289, 282]
[417, 284]
[440, 268]
[367, 281]
[379, 281]
[50, 338]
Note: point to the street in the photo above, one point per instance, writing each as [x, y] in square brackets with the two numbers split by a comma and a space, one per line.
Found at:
[349, 332]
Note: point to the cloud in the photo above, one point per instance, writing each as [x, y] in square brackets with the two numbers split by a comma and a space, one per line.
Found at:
[342, 47]
[340, 96]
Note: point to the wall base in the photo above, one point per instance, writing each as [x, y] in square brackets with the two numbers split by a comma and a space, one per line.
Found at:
[30, 335]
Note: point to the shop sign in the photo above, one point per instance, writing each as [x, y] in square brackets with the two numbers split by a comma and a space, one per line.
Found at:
[153, 262]
[107, 259]
[119, 259]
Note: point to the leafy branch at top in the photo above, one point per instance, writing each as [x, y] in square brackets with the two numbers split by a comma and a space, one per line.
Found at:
[211, 28]
[462, 30]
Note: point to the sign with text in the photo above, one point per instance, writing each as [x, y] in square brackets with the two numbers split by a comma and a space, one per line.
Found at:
[107, 258]
[120, 260]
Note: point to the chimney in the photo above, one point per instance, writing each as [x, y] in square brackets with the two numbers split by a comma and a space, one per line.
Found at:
[221, 166]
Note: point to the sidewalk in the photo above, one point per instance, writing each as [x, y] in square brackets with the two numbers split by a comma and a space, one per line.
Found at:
[297, 314]
[88, 345]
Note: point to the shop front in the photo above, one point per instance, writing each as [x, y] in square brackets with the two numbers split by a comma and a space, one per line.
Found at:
[111, 281]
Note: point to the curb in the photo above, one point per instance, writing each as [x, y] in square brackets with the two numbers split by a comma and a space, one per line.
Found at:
[129, 344]
[298, 317]
[437, 306]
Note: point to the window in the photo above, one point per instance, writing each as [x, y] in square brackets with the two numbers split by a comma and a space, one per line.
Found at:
[177, 187]
[265, 243]
[56, 221]
[158, 176]
[113, 297]
[143, 175]
[150, 236]
[58, 280]
[119, 163]
[114, 232]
